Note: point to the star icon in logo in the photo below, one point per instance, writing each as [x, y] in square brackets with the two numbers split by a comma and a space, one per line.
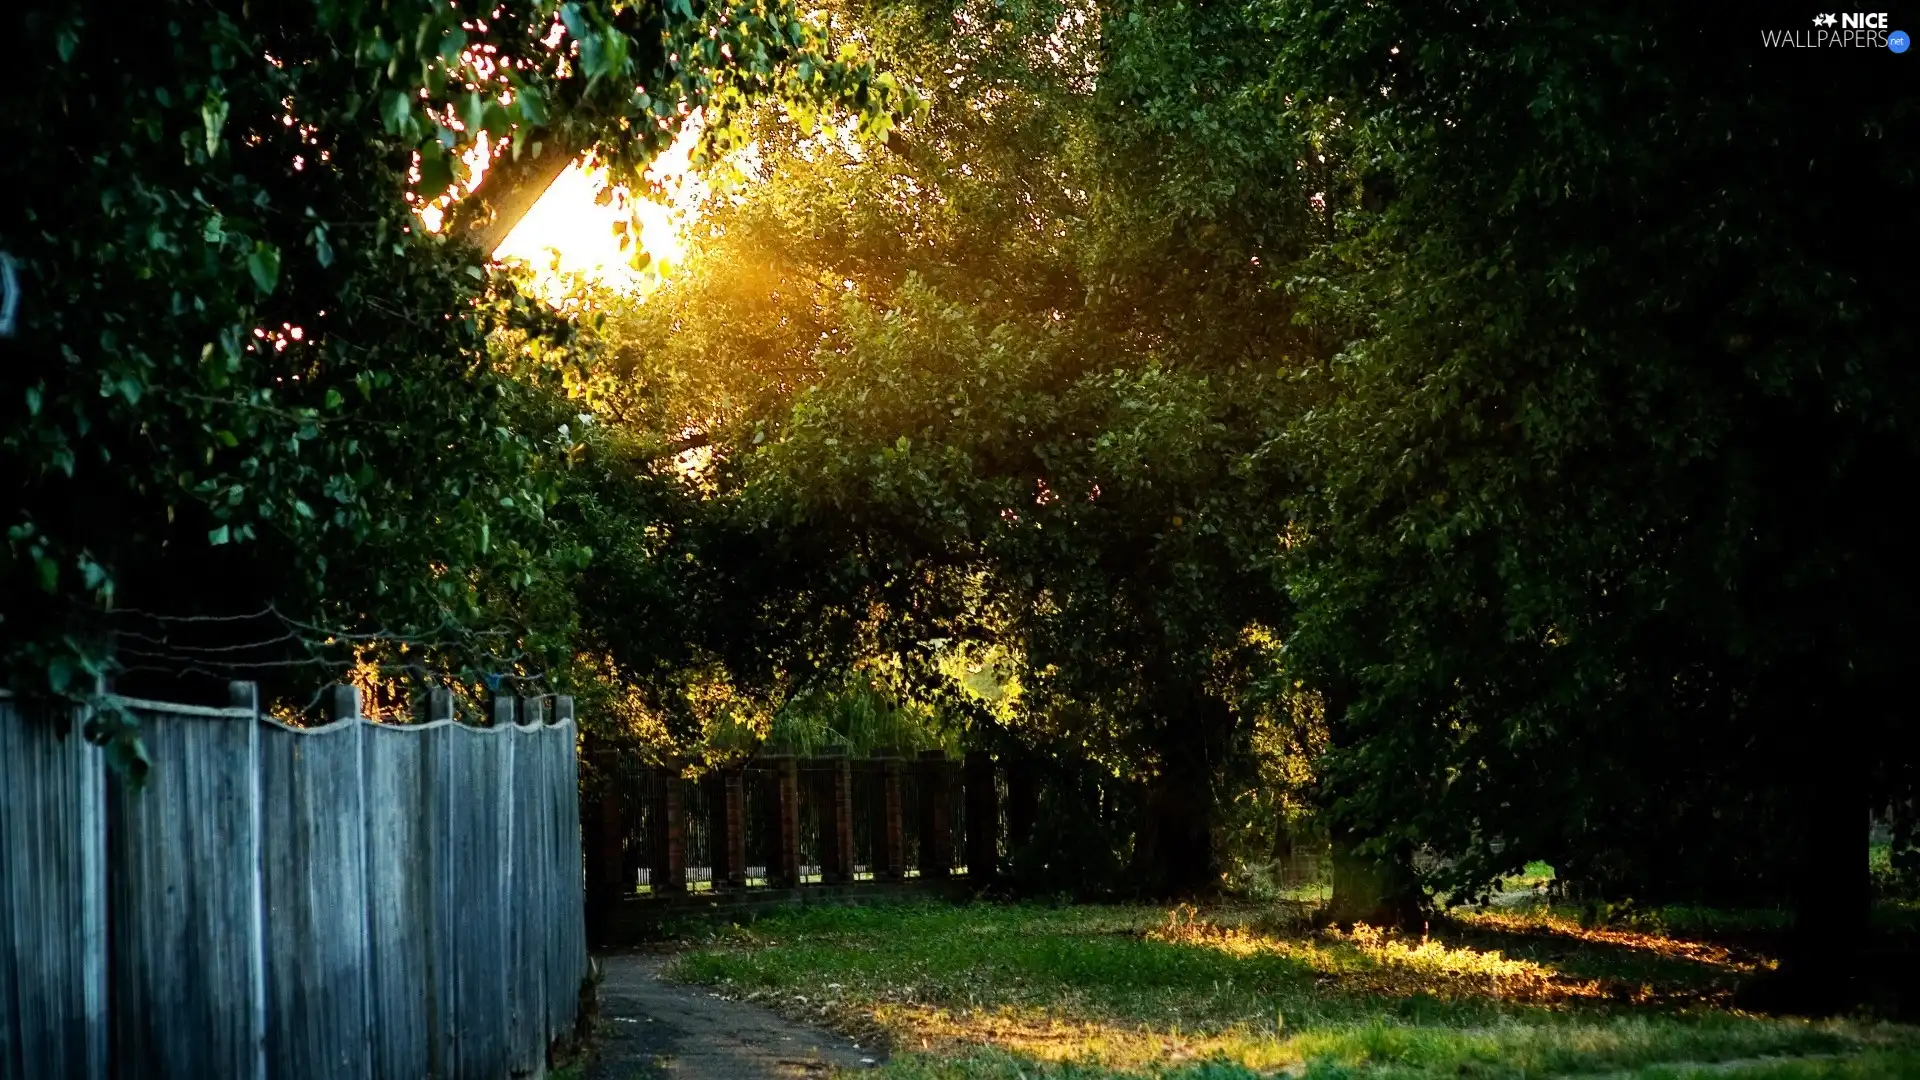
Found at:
[1824, 20]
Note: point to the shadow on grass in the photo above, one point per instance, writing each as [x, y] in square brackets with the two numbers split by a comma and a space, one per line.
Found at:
[1126, 988]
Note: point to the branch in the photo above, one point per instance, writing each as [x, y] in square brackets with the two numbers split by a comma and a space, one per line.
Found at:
[507, 190]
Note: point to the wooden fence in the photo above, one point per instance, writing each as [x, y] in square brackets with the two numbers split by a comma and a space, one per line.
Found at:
[778, 822]
[353, 900]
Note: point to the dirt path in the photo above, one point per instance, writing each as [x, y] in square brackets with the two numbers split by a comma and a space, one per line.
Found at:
[651, 1028]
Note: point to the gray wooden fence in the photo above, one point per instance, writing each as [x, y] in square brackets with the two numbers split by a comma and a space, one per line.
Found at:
[353, 900]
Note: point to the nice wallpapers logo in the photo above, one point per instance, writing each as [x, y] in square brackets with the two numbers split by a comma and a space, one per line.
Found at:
[1847, 30]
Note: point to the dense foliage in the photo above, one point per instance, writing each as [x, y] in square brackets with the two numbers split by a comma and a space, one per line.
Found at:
[1507, 384]
[1599, 565]
[245, 375]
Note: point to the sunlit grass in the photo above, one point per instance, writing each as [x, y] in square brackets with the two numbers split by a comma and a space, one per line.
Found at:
[992, 991]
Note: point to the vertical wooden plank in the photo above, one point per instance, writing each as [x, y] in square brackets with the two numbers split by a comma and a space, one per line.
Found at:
[570, 961]
[52, 897]
[478, 933]
[936, 815]
[982, 817]
[527, 880]
[401, 875]
[1023, 803]
[440, 795]
[245, 696]
[313, 851]
[182, 901]
[891, 860]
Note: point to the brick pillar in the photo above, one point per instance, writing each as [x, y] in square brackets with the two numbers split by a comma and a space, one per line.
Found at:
[715, 786]
[669, 831]
[784, 868]
[730, 828]
[936, 815]
[983, 817]
[889, 832]
[836, 816]
[1023, 804]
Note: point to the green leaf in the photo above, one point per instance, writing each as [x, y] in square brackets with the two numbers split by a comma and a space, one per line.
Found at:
[495, 120]
[213, 114]
[219, 536]
[533, 109]
[127, 755]
[452, 45]
[333, 398]
[473, 111]
[33, 401]
[264, 266]
[397, 113]
[226, 438]
[436, 171]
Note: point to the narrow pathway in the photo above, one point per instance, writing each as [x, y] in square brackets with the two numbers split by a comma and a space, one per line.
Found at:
[653, 1029]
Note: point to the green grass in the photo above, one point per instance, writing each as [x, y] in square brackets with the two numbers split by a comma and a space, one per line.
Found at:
[988, 991]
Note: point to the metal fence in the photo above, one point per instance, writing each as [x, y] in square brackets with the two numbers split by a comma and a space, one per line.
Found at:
[352, 900]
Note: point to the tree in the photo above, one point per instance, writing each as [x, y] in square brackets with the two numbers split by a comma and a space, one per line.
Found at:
[246, 375]
[998, 387]
[1599, 554]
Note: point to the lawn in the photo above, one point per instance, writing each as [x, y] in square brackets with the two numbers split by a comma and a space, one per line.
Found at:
[1099, 992]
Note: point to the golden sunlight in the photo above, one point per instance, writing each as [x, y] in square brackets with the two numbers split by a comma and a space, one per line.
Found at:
[576, 226]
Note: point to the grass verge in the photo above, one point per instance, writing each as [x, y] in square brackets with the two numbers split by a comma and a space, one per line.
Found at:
[990, 991]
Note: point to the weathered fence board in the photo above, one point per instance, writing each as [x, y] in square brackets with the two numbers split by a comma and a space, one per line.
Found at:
[313, 817]
[184, 901]
[405, 904]
[356, 900]
[530, 837]
[478, 935]
[53, 941]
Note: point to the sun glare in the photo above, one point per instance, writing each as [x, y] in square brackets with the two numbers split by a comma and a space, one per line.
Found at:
[570, 231]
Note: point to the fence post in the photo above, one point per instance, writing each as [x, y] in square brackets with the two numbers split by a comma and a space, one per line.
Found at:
[1023, 804]
[936, 815]
[983, 818]
[670, 833]
[246, 695]
[533, 710]
[784, 867]
[836, 818]
[439, 704]
[890, 838]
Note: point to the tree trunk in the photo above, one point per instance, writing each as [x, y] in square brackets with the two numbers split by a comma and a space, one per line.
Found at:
[508, 189]
[1174, 856]
[1833, 899]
